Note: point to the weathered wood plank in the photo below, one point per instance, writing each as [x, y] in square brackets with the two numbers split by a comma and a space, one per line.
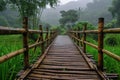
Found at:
[64, 62]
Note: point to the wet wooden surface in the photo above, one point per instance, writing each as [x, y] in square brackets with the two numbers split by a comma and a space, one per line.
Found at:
[64, 62]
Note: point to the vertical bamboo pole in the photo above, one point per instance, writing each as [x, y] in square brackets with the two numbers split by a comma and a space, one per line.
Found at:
[100, 43]
[25, 42]
[74, 35]
[78, 36]
[84, 38]
[47, 36]
[41, 34]
[50, 36]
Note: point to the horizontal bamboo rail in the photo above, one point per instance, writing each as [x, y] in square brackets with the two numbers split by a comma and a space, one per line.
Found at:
[15, 53]
[9, 31]
[112, 30]
[96, 47]
[50, 35]
[100, 48]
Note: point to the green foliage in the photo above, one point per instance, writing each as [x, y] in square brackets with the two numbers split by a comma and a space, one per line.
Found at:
[10, 68]
[115, 10]
[111, 24]
[30, 7]
[68, 17]
[108, 61]
[96, 9]
[80, 25]
[112, 40]
[2, 5]
[61, 29]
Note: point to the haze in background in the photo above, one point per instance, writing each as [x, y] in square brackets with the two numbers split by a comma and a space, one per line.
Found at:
[66, 1]
[52, 15]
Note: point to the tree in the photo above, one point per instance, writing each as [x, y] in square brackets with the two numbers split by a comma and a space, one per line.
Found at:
[115, 10]
[30, 8]
[2, 5]
[68, 17]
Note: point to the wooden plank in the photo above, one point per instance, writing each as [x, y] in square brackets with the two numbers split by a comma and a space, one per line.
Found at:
[64, 67]
[59, 76]
[88, 72]
[63, 63]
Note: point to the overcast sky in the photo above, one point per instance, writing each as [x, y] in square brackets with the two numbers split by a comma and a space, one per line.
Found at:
[66, 1]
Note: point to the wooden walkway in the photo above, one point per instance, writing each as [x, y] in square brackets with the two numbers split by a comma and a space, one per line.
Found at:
[64, 62]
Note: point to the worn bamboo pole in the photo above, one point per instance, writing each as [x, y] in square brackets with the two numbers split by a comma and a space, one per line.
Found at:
[100, 43]
[25, 42]
[84, 38]
[50, 35]
[42, 39]
[47, 34]
[77, 37]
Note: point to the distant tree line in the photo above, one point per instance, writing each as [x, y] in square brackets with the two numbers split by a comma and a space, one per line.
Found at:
[28, 8]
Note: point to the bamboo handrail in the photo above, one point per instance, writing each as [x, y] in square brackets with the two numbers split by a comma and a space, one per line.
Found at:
[15, 53]
[113, 30]
[25, 31]
[9, 31]
[100, 48]
[116, 57]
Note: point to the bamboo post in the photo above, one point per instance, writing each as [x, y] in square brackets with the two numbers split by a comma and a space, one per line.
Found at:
[74, 35]
[50, 36]
[41, 34]
[46, 38]
[25, 42]
[84, 38]
[78, 36]
[100, 43]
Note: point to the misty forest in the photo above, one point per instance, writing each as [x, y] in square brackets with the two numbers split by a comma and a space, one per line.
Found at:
[52, 15]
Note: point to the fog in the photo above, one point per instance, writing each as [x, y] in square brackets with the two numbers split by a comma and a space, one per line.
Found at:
[52, 15]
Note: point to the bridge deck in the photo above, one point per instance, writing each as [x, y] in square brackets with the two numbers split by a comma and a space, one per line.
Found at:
[63, 61]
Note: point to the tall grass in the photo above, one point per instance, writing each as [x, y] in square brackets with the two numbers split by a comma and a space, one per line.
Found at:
[111, 65]
[10, 68]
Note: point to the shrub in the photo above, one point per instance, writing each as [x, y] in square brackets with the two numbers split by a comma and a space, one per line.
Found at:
[112, 40]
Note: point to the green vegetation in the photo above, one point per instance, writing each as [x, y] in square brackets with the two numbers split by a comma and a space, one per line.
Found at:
[110, 64]
[10, 68]
[111, 43]
[68, 18]
[115, 10]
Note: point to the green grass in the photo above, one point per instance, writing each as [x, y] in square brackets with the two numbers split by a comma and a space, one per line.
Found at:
[111, 65]
[10, 43]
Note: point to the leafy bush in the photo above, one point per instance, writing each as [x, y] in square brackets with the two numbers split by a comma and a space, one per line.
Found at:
[61, 29]
[80, 25]
[112, 40]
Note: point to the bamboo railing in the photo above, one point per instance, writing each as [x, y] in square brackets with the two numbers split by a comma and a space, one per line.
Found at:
[50, 35]
[75, 35]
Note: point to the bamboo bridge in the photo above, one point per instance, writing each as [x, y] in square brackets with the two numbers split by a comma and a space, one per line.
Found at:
[64, 57]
